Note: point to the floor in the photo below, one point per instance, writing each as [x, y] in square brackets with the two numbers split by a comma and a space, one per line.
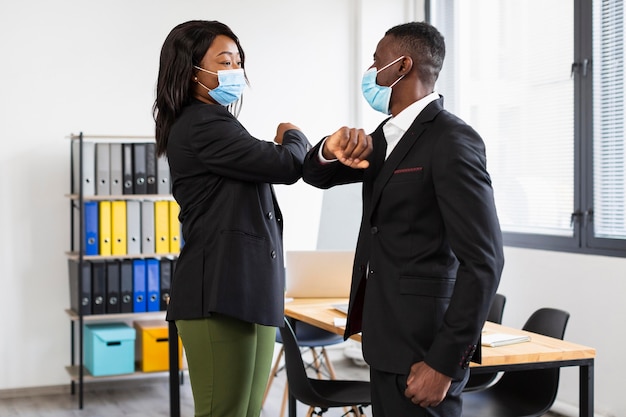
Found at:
[149, 396]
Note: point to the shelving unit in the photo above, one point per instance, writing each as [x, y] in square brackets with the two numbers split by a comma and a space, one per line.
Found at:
[77, 372]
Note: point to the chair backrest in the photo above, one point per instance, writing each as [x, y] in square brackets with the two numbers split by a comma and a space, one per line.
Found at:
[299, 385]
[539, 386]
[548, 322]
[497, 309]
[312, 336]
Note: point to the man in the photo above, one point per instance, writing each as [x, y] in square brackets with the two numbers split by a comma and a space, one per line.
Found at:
[429, 254]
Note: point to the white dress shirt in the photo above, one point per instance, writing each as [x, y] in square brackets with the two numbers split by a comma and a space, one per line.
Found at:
[397, 126]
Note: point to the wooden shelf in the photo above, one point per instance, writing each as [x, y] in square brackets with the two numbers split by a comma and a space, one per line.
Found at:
[74, 256]
[114, 138]
[116, 316]
[111, 197]
[73, 372]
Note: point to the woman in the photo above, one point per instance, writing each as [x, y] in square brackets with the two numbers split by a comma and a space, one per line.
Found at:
[228, 286]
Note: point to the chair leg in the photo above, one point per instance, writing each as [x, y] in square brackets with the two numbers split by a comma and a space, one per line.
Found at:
[329, 364]
[283, 406]
[273, 374]
[333, 375]
[316, 363]
[318, 366]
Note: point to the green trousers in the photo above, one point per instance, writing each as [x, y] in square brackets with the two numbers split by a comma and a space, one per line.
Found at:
[229, 362]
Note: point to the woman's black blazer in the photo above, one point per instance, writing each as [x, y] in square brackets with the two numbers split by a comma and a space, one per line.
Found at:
[232, 259]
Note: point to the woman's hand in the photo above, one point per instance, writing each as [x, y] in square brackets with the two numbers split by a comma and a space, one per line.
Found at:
[281, 129]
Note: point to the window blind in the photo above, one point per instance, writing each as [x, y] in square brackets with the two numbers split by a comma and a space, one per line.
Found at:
[608, 120]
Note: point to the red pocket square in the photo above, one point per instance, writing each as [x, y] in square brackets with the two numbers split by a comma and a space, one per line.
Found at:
[406, 170]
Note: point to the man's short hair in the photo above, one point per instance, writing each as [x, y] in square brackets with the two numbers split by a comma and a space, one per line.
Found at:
[424, 44]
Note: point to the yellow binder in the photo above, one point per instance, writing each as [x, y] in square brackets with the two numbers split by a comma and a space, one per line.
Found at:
[105, 228]
[118, 228]
[174, 227]
[162, 226]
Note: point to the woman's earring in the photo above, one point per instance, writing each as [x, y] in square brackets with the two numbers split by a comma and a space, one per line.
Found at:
[195, 79]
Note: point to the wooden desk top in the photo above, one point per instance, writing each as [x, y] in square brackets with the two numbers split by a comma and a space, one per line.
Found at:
[320, 312]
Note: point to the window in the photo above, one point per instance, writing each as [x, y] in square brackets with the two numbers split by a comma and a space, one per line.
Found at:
[608, 120]
[543, 83]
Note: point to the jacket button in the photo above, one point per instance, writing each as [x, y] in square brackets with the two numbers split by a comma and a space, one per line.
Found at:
[374, 230]
[270, 215]
[273, 254]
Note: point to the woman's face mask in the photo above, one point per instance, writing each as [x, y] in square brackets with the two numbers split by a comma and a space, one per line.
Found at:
[231, 84]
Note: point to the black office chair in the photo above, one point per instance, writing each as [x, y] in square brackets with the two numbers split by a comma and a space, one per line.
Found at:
[311, 338]
[321, 394]
[522, 393]
[476, 381]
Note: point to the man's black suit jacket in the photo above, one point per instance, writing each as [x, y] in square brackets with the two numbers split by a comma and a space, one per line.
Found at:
[429, 254]
[232, 259]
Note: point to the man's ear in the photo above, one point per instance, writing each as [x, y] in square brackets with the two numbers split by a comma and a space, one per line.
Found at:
[406, 64]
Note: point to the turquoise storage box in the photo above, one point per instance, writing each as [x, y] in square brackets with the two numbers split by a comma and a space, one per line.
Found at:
[109, 349]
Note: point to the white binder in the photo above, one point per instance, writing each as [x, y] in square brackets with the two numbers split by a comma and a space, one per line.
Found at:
[163, 176]
[133, 227]
[103, 162]
[147, 227]
[116, 179]
[89, 171]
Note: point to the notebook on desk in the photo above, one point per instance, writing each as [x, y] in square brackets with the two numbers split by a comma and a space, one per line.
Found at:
[343, 307]
[318, 274]
[503, 339]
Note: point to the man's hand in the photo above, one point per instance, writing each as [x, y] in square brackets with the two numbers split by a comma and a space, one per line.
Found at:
[425, 386]
[281, 129]
[349, 146]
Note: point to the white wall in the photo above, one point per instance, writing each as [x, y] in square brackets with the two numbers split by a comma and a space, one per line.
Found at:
[70, 66]
[592, 289]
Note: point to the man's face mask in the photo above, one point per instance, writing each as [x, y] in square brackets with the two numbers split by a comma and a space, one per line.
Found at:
[378, 96]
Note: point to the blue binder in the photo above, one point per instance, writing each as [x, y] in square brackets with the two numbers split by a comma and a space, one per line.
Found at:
[91, 227]
[153, 282]
[139, 286]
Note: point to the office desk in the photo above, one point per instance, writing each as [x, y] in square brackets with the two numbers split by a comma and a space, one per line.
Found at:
[540, 352]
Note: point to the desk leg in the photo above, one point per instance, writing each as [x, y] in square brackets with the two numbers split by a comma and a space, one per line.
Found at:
[172, 342]
[586, 390]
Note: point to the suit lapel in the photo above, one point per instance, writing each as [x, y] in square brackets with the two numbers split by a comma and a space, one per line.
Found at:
[405, 144]
[378, 154]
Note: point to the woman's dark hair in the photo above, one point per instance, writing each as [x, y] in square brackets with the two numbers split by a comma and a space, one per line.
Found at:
[424, 44]
[184, 47]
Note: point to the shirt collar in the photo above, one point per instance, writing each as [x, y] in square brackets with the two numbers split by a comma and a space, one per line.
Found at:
[405, 118]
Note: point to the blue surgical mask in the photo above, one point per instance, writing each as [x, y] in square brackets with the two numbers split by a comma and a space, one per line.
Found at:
[230, 85]
[378, 96]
